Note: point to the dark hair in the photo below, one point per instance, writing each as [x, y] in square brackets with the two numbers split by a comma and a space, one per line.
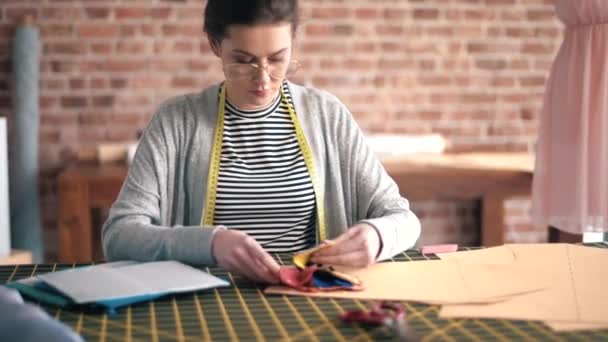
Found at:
[220, 14]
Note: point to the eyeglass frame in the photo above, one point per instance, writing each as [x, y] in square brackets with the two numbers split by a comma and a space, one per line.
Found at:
[265, 68]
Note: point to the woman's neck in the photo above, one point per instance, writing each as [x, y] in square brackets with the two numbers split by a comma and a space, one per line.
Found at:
[239, 104]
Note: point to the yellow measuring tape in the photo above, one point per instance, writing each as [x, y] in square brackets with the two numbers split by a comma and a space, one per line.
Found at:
[216, 152]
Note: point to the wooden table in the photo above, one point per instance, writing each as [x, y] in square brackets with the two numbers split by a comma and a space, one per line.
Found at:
[82, 187]
[490, 177]
[17, 257]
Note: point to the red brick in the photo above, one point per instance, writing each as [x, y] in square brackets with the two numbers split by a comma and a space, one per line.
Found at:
[118, 83]
[426, 13]
[499, 2]
[491, 64]
[479, 14]
[98, 83]
[128, 119]
[128, 31]
[540, 15]
[128, 13]
[71, 48]
[132, 47]
[537, 48]
[162, 12]
[184, 82]
[56, 30]
[103, 101]
[98, 31]
[389, 30]
[77, 83]
[183, 47]
[16, 14]
[101, 48]
[534, 81]
[367, 13]
[73, 101]
[97, 12]
[331, 13]
[396, 13]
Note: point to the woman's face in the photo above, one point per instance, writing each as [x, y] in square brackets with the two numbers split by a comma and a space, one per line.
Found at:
[267, 46]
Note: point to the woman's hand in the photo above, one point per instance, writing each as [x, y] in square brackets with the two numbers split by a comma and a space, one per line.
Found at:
[240, 254]
[357, 247]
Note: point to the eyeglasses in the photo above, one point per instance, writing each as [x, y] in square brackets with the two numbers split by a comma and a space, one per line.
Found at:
[276, 70]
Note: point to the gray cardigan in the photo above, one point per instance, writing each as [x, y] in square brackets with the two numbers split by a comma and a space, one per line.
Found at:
[158, 212]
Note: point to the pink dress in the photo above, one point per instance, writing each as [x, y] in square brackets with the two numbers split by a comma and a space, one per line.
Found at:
[570, 190]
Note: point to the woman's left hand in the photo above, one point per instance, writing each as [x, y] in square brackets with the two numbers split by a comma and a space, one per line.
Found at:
[357, 247]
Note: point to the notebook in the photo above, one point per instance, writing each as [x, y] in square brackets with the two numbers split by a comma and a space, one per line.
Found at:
[117, 284]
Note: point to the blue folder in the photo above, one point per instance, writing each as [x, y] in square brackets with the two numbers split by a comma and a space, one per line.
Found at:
[114, 285]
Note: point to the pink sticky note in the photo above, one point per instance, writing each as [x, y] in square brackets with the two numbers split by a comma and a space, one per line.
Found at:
[434, 249]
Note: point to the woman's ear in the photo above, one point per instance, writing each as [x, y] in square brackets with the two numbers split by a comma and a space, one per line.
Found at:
[216, 47]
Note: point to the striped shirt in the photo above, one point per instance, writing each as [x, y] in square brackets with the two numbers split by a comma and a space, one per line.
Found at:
[264, 188]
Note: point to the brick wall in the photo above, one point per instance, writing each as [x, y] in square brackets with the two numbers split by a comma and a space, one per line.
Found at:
[472, 70]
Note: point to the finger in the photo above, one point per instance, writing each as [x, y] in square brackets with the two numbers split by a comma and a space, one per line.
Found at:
[356, 258]
[248, 266]
[350, 233]
[267, 260]
[272, 277]
[266, 268]
[344, 244]
[237, 268]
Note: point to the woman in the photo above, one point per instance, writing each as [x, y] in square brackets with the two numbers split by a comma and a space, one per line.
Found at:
[263, 165]
[570, 190]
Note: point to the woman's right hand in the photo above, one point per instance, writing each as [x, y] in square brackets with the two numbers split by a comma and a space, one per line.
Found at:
[241, 254]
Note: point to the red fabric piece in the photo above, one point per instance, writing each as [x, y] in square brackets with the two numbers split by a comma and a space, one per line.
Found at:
[301, 280]
[383, 313]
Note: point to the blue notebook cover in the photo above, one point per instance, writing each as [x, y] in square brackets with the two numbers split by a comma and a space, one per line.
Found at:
[114, 285]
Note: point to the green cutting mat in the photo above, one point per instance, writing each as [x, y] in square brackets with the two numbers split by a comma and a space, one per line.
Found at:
[242, 312]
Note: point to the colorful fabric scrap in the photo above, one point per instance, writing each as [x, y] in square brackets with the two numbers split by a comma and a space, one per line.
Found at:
[308, 277]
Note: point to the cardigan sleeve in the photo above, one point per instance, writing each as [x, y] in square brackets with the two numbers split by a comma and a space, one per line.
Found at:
[139, 226]
[377, 200]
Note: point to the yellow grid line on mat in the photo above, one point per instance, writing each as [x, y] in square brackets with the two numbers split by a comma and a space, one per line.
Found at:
[179, 331]
[307, 328]
[322, 315]
[428, 322]
[452, 325]
[13, 273]
[360, 332]
[543, 330]
[128, 332]
[307, 331]
[104, 327]
[363, 307]
[79, 322]
[490, 329]
[252, 322]
[119, 325]
[201, 318]
[34, 270]
[95, 332]
[312, 333]
[227, 321]
[516, 330]
[274, 316]
[153, 326]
